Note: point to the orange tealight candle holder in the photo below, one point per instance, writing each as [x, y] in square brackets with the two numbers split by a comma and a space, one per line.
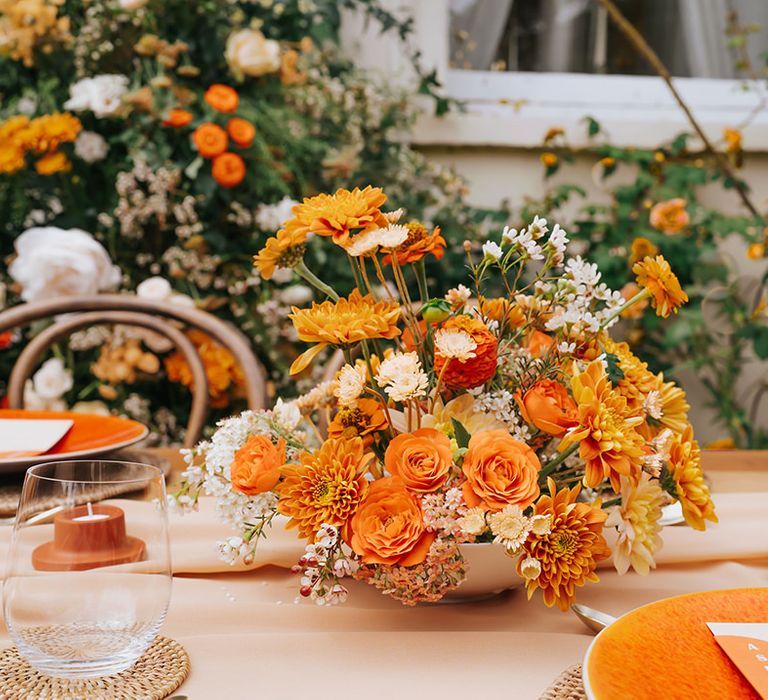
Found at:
[88, 537]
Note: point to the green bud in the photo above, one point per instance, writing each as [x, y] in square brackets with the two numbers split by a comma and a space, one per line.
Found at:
[436, 311]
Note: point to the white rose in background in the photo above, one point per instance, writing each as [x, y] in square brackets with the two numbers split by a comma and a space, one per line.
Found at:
[270, 217]
[48, 385]
[102, 94]
[34, 402]
[157, 289]
[249, 52]
[52, 262]
[91, 147]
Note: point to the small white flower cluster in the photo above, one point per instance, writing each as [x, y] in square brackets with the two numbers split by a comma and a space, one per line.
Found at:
[501, 405]
[270, 217]
[234, 549]
[509, 526]
[442, 513]
[527, 243]
[323, 564]
[402, 377]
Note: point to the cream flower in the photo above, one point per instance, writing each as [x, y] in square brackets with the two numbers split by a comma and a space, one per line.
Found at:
[270, 217]
[286, 415]
[464, 409]
[492, 251]
[455, 344]
[530, 568]
[155, 288]
[101, 94]
[402, 377]
[394, 216]
[636, 520]
[510, 527]
[52, 380]
[249, 52]
[473, 522]
[91, 147]
[351, 382]
[458, 296]
[368, 242]
[541, 525]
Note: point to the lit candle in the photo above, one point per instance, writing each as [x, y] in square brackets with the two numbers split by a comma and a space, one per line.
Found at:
[91, 516]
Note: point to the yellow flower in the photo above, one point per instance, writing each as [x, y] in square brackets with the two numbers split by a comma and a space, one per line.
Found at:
[641, 248]
[548, 159]
[656, 276]
[685, 472]
[568, 554]
[638, 381]
[45, 134]
[12, 126]
[326, 487]
[636, 520]
[362, 419]
[732, 139]
[674, 407]
[28, 24]
[462, 409]
[11, 158]
[608, 440]
[285, 250]
[670, 217]
[756, 251]
[339, 215]
[53, 163]
[341, 323]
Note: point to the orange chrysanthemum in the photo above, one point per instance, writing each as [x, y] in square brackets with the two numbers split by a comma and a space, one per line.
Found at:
[418, 244]
[339, 215]
[477, 370]
[210, 140]
[606, 433]
[362, 420]
[178, 118]
[285, 250]
[673, 404]
[685, 471]
[641, 248]
[228, 169]
[342, 323]
[241, 131]
[222, 98]
[656, 276]
[568, 555]
[638, 381]
[326, 487]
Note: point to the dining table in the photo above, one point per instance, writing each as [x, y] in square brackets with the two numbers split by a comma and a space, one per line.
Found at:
[249, 634]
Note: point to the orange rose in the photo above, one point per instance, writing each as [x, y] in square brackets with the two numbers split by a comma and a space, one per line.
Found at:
[670, 217]
[222, 98]
[388, 528]
[210, 140]
[500, 471]
[256, 466]
[228, 169]
[178, 117]
[476, 370]
[548, 406]
[421, 459]
[241, 131]
[539, 343]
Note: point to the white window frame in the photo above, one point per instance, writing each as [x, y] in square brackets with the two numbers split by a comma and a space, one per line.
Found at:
[515, 109]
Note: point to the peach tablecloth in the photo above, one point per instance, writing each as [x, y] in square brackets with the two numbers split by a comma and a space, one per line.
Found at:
[248, 638]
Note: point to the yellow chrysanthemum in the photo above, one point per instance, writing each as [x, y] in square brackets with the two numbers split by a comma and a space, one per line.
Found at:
[339, 215]
[286, 249]
[326, 487]
[638, 381]
[11, 158]
[674, 407]
[12, 126]
[45, 134]
[52, 163]
[608, 440]
[568, 554]
[27, 25]
[685, 472]
[344, 322]
[655, 275]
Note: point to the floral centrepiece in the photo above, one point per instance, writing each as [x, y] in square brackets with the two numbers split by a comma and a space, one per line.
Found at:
[465, 418]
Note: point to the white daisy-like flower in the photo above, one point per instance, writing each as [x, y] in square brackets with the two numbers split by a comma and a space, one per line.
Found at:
[458, 296]
[455, 344]
[538, 227]
[509, 235]
[541, 525]
[566, 348]
[492, 250]
[351, 382]
[530, 568]
[556, 244]
[510, 527]
[652, 405]
[473, 522]
[394, 216]
[367, 242]
[402, 377]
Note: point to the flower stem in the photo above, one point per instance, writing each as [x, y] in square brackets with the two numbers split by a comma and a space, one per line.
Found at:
[557, 461]
[307, 275]
[642, 294]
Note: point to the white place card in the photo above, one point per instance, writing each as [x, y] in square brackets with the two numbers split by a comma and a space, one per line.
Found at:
[20, 437]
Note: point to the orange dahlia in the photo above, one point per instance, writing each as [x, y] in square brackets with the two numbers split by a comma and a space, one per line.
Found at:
[418, 244]
[568, 554]
[284, 250]
[338, 215]
[606, 433]
[362, 419]
[326, 487]
[343, 322]
[477, 370]
[656, 276]
[685, 472]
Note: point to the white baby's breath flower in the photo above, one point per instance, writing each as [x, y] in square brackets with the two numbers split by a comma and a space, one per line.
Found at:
[530, 568]
[510, 527]
[351, 383]
[458, 296]
[473, 522]
[455, 344]
[492, 251]
[402, 377]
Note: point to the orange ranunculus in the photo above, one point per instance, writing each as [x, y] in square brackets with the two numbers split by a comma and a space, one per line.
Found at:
[477, 370]
[548, 406]
[210, 140]
[222, 98]
[178, 117]
[241, 131]
[256, 466]
[670, 217]
[53, 163]
[228, 169]
[421, 459]
[500, 471]
[388, 527]
[538, 343]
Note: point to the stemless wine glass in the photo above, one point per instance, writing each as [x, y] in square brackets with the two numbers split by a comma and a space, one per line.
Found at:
[89, 571]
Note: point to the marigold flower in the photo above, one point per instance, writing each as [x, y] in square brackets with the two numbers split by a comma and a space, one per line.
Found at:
[670, 217]
[325, 487]
[655, 275]
[418, 244]
[53, 163]
[568, 555]
[547, 406]
[241, 131]
[222, 98]
[11, 158]
[476, 370]
[178, 118]
[343, 323]
[685, 471]
[421, 459]
[285, 250]
[228, 169]
[256, 465]
[362, 419]
[45, 134]
[210, 140]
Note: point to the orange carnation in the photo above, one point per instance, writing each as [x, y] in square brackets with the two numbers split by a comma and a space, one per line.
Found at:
[241, 131]
[222, 98]
[256, 466]
[388, 527]
[548, 406]
[228, 169]
[466, 374]
[500, 471]
[418, 244]
[210, 140]
[178, 117]
[538, 343]
[421, 459]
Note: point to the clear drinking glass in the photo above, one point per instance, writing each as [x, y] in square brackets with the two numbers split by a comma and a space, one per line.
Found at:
[89, 571]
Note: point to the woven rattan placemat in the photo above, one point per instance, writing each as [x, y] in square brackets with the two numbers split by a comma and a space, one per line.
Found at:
[10, 486]
[162, 669]
[567, 686]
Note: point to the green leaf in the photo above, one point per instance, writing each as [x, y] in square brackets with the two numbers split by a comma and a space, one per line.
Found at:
[460, 433]
[615, 373]
[760, 341]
